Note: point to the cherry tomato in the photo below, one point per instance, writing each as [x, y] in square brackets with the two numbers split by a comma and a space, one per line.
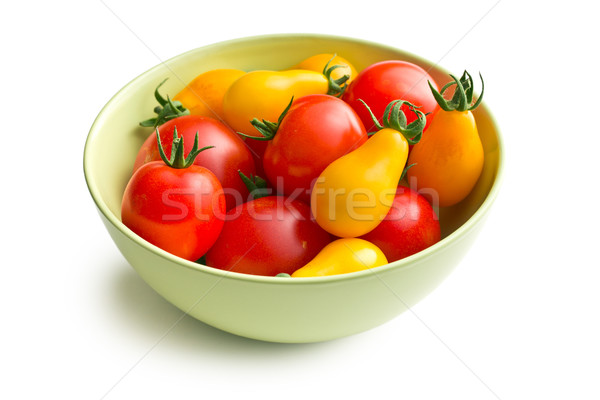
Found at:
[343, 256]
[179, 208]
[265, 94]
[204, 94]
[316, 130]
[229, 154]
[267, 236]
[410, 226]
[355, 192]
[385, 81]
[449, 159]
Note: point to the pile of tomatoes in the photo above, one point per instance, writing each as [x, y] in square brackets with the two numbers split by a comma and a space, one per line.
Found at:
[310, 171]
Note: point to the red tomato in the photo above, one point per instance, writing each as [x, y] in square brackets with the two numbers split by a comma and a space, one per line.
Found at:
[229, 154]
[267, 236]
[179, 210]
[410, 226]
[316, 130]
[385, 81]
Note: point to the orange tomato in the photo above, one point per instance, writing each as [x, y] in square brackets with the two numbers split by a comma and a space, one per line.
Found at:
[449, 158]
[204, 95]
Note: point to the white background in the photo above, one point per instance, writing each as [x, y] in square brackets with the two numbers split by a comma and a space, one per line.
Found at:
[518, 319]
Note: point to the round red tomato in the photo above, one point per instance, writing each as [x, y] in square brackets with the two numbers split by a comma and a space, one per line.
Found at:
[410, 226]
[386, 81]
[229, 154]
[179, 210]
[316, 130]
[267, 236]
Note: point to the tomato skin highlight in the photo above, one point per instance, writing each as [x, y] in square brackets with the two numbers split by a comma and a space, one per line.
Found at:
[179, 210]
[265, 94]
[448, 160]
[267, 236]
[317, 130]
[385, 81]
[410, 226]
[229, 154]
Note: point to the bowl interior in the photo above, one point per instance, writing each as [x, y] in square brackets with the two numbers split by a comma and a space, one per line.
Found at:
[115, 137]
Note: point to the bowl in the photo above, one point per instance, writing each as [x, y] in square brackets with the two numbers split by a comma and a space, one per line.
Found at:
[272, 308]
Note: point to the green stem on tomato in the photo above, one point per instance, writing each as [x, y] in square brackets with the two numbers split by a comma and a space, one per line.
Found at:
[337, 87]
[177, 159]
[394, 118]
[166, 110]
[266, 128]
[462, 99]
[256, 185]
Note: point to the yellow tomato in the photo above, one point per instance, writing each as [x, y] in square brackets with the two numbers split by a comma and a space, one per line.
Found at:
[319, 61]
[341, 257]
[449, 158]
[204, 95]
[355, 192]
[265, 94]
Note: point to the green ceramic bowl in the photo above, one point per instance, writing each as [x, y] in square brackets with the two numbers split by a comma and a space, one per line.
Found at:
[269, 308]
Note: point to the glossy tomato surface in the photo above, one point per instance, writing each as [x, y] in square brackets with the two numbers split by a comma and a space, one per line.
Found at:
[265, 94]
[449, 159]
[386, 81]
[267, 236]
[229, 154]
[410, 226]
[179, 210]
[317, 130]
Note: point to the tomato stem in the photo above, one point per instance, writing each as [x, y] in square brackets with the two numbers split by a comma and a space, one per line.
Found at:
[462, 99]
[405, 170]
[177, 159]
[337, 87]
[256, 185]
[266, 128]
[167, 110]
[394, 118]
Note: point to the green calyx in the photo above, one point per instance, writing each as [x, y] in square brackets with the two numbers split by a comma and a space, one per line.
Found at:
[394, 118]
[167, 110]
[177, 159]
[266, 128]
[462, 100]
[336, 86]
[256, 185]
[405, 171]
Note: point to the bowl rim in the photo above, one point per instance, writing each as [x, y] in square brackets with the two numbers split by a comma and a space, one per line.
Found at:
[404, 263]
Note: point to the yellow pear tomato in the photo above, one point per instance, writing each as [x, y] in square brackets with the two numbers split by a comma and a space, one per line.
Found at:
[263, 95]
[355, 192]
[341, 257]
